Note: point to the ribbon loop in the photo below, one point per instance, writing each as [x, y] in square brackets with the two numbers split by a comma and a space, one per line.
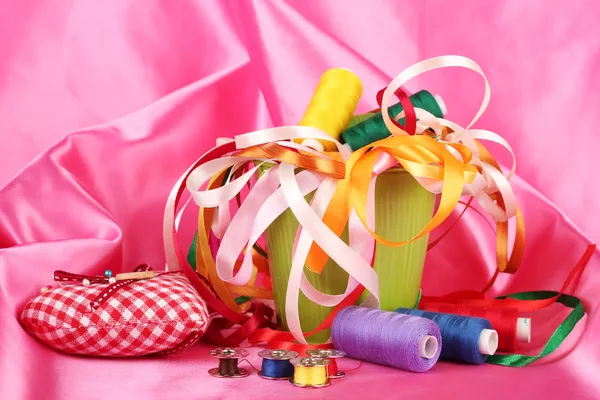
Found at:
[444, 157]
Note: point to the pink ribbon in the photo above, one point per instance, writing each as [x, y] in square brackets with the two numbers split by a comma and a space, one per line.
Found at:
[280, 187]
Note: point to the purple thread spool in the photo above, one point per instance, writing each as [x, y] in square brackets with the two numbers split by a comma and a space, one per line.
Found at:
[387, 338]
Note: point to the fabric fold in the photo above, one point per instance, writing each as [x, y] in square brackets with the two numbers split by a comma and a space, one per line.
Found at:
[84, 176]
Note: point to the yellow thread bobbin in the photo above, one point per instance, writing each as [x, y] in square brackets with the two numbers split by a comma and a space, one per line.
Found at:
[332, 106]
[310, 372]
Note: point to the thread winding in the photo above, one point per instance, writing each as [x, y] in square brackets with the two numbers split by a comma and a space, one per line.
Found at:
[310, 376]
[310, 372]
[461, 335]
[277, 369]
[228, 367]
[276, 364]
[387, 338]
[228, 363]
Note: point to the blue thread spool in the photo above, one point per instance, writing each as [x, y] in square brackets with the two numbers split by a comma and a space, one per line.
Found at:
[276, 364]
[466, 339]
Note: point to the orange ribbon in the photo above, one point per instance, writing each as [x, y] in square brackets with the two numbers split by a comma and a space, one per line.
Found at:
[420, 155]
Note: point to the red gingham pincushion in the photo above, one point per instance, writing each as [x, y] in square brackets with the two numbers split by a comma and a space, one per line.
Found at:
[158, 315]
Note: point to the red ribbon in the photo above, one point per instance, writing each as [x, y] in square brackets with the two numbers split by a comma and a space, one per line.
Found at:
[410, 118]
[284, 340]
[478, 298]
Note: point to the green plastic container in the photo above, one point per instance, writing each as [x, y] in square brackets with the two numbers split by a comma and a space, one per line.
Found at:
[403, 207]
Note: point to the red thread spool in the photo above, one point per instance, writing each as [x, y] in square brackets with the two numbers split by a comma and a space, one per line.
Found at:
[504, 320]
[331, 355]
[332, 368]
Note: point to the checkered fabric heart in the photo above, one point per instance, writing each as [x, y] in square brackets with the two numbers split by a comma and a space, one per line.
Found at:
[157, 315]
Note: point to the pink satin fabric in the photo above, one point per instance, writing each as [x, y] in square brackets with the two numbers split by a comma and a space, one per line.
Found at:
[103, 105]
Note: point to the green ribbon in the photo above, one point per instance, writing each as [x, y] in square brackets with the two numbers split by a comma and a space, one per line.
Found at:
[418, 299]
[191, 256]
[559, 335]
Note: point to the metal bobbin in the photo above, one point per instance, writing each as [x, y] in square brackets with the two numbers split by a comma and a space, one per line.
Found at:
[328, 354]
[279, 355]
[225, 355]
[310, 362]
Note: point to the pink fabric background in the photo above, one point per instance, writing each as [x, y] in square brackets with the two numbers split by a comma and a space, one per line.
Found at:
[104, 104]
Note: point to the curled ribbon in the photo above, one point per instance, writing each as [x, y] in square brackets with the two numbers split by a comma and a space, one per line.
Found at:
[280, 173]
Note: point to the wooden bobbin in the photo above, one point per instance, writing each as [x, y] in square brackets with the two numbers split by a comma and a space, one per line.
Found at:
[228, 353]
[330, 355]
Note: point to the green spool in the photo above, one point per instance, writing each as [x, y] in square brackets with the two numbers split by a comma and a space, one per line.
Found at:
[374, 129]
[357, 119]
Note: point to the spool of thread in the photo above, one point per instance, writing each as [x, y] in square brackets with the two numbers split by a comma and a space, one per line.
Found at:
[387, 338]
[310, 372]
[467, 339]
[276, 364]
[332, 106]
[331, 355]
[228, 363]
[374, 129]
[505, 320]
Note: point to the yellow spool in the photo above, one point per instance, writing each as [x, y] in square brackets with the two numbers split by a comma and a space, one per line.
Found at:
[310, 372]
[332, 106]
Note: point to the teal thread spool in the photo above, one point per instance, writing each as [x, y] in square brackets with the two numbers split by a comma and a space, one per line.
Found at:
[374, 129]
